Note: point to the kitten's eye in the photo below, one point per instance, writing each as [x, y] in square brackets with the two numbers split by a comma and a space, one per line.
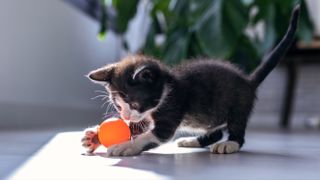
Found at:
[135, 105]
[131, 82]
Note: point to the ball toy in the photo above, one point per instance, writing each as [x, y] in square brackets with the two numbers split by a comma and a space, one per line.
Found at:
[113, 131]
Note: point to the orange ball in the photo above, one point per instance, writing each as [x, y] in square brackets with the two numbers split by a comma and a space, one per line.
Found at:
[113, 131]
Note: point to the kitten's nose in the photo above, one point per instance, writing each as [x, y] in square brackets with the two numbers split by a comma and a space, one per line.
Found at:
[125, 114]
[126, 117]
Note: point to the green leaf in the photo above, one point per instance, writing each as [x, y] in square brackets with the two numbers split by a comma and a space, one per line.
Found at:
[194, 49]
[175, 48]
[306, 28]
[197, 11]
[246, 56]
[247, 2]
[125, 11]
[221, 26]
[103, 22]
[150, 47]
[268, 15]
[102, 36]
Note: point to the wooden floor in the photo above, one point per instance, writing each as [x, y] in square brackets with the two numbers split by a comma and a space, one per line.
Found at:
[266, 155]
[18, 146]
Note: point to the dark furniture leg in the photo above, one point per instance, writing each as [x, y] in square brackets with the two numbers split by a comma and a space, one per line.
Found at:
[289, 94]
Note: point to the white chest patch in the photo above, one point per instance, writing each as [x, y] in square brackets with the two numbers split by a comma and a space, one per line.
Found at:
[192, 130]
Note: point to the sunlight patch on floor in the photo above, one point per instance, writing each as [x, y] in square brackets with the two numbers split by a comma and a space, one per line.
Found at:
[62, 158]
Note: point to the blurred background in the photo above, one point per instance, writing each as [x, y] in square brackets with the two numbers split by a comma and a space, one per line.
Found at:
[47, 48]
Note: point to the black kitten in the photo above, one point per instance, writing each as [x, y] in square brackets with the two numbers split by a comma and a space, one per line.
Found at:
[205, 95]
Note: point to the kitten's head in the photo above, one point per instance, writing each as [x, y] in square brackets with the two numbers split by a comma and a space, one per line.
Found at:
[136, 85]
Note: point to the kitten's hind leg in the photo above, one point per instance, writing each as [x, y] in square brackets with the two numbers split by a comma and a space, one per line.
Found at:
[234, 142]
[226, 147]
[203, 140]
[210, 138]
[236, 126]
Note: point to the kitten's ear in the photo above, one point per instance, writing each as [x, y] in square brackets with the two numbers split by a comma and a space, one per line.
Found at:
[145, 74]
[102, 75]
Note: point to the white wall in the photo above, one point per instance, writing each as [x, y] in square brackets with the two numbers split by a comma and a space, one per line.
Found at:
[46, 48]
[314, 10]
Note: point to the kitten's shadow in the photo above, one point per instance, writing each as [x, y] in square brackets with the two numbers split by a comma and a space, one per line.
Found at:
[271, 155]
[171, 163]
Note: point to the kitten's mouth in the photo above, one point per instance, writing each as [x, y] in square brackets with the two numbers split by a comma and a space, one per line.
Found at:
[131, 118]
[126, 118]
[134, 120]
[117, 106]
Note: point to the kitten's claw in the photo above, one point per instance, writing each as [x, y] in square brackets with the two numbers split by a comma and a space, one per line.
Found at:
[124, 149]
[226, 147]
[189, 143]
[90, 140]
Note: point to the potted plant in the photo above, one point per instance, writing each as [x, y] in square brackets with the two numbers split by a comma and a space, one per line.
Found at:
[225, 29]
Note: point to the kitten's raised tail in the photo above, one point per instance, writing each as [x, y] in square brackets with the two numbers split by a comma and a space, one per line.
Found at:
[271, 59]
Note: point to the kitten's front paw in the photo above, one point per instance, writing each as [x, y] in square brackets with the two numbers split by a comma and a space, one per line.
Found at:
[226, 147]
[124, 149]
[189, 143]
[90, 140]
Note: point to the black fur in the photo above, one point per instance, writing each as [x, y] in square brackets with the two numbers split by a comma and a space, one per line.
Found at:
[150, 146]
[210, 138]
[201, 94]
